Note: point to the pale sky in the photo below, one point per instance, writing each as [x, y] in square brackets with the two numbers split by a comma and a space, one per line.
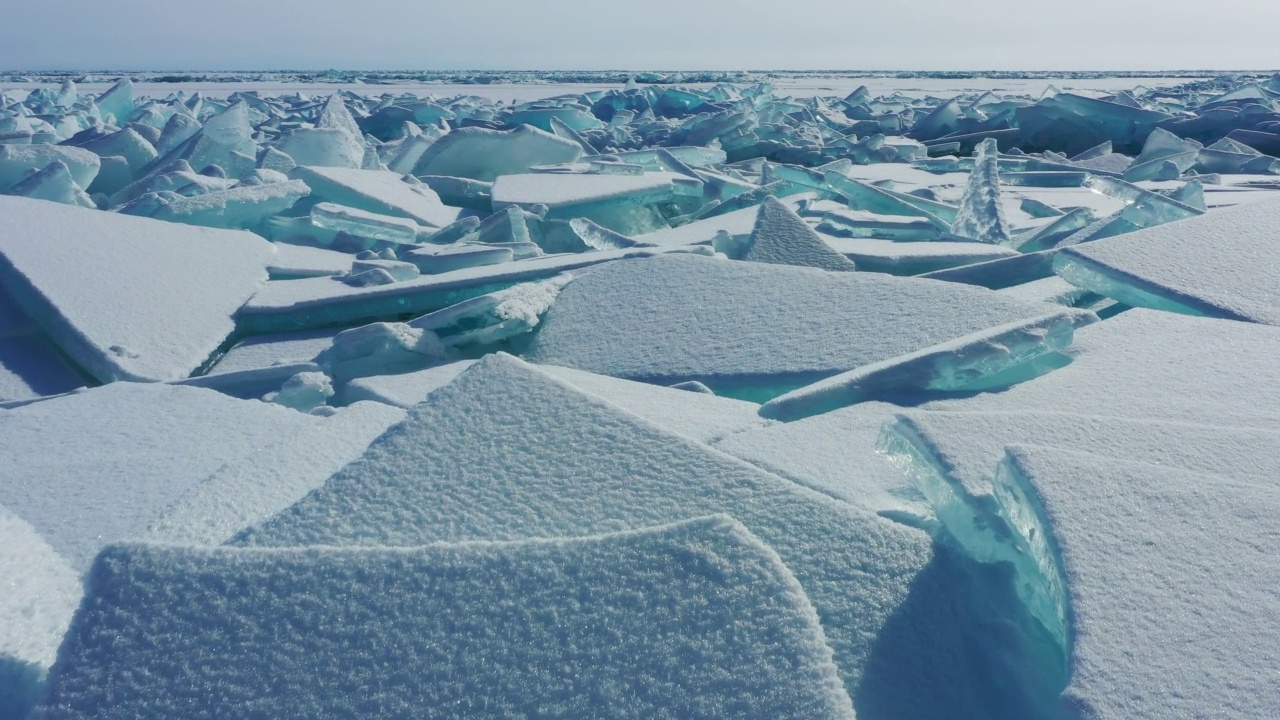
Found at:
[644, 34]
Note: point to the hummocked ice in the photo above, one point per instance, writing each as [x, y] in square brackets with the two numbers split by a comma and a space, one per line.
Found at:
[683, 398]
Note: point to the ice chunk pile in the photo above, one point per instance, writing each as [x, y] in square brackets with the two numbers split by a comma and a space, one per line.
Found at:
[623, 403]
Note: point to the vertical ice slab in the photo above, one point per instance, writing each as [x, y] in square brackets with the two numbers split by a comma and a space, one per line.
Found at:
[127, 298]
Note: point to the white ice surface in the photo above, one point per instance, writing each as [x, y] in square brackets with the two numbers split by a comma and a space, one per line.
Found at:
[833, 453]
[403, 390]
[558, 190]
[377, 191]
[1145, 364]
[507, 452]
[697, 619]
[699, 416]
[1220, 264]
[1171, 577]
[303, 261]
[484, 154]
[761, 328]
[118, 294]
[270, 350]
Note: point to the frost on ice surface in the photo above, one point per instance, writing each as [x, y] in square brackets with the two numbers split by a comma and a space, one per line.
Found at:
[981, 216]
[780, 237]
[695, 619]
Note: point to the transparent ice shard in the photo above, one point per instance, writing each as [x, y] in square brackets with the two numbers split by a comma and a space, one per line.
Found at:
[864, 196]
[53, 183]
[365, 224]
[623, 203]
[1165, 156]
[1049, 235]
[897, 257]
[241, 207]
[461, 192]
[483, 154]
[117, 101]
[380, 349]
[580, 235]
[486, 323]
[981, 215]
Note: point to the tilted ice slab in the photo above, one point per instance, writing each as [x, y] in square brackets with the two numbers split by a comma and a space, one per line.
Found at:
[1170, 579]
[1220, 264]
[754, 330]
[981, 216]
[622, 203]
[508, 452]
[403, 390]
[120, 295]
[914, 258]
[377, 191]
[132, 449]
[18, 161]
[318, 302]
[696, 619]
[30, 365]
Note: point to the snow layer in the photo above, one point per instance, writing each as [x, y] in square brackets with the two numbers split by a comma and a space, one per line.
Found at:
[698, 619]
[753, 330]
[1220, 264]
[1171, 577]
[117, 294]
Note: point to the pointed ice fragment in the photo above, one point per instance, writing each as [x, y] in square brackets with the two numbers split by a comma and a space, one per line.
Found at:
[780, 237]
[18, 161]
[981, 216]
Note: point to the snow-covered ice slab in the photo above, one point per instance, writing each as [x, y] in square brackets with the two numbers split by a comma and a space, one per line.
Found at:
[271, 350]
[753, 330]
[781, 237]
[41, 592]
[1170, 578]
[507, 452]
[696, 619]
[1220, 264]
[300, 261]
[127, 298]
[403, 390]
[30, 365]
[377, 191]
[700, 416]
[316, 302]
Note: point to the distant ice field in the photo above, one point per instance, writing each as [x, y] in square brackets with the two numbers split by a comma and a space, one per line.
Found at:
[523, 92]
